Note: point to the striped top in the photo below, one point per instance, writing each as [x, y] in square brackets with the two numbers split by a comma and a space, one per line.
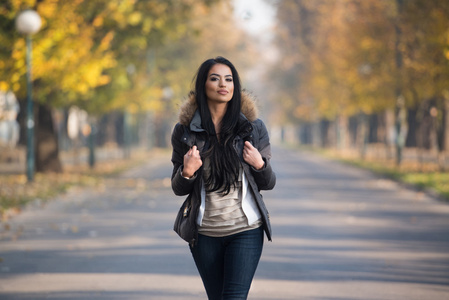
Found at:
[223, 214]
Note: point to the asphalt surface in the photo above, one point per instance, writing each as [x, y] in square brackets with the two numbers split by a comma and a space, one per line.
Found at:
[338, 233]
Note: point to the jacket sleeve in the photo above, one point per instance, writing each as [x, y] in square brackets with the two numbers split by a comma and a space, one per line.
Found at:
[180, 185]
[265, 178]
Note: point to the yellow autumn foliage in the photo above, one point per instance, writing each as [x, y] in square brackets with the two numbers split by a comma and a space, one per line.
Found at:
[82, 52]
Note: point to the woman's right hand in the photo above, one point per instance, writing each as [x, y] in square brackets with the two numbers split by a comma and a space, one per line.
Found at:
[192, 162]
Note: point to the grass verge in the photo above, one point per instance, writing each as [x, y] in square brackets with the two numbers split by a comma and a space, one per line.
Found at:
[15, 191]
[437, 182]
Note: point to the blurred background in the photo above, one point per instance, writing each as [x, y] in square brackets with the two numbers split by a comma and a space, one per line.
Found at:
[366, 77]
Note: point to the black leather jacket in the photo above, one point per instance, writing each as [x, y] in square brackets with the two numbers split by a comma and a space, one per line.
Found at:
[184, 137]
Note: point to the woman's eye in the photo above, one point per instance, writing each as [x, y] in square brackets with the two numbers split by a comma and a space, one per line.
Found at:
[214, 79]
[229, 79]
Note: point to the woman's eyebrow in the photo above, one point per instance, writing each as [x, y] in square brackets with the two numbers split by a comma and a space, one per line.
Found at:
[215, 74]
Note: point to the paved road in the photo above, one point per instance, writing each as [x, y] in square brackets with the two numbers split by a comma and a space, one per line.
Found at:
[339, 233]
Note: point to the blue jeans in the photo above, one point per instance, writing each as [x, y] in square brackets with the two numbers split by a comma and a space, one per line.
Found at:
[227, 264]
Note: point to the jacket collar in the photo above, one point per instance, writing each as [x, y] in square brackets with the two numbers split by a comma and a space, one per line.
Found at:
[195, 123]
[190, 116]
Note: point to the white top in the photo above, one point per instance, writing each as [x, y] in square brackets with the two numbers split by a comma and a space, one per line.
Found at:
[248, 204]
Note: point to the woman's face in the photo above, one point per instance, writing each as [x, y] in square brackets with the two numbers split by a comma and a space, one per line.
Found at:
[219, 84]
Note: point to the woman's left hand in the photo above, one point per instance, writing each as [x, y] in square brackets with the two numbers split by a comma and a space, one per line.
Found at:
[252, 156]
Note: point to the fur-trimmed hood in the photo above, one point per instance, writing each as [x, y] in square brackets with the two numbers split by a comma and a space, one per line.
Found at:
[189, 106]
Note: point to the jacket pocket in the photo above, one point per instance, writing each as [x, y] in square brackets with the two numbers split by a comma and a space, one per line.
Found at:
[183, 223]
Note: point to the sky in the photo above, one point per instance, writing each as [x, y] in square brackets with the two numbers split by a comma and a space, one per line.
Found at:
[257, 17]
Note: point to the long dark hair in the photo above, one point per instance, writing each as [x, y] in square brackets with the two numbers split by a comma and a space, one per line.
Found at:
[224, 162]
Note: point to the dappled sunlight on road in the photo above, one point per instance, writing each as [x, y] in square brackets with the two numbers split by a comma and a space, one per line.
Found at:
[339, 290]
[338, 234]
[104, 286]
[165, 287]
[104, 244]
[333, 223]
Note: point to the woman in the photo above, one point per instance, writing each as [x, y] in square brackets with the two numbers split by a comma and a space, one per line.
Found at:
[221, 160]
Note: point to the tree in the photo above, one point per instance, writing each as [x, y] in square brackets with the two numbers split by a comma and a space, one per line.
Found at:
[348, 57]
[112, 55]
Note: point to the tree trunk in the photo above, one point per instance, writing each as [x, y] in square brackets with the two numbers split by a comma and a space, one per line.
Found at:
[389, 133]
[445, 130]
[400, 113]
[401, 128]
[316, 141]
[47, 149]
[443, 135]
[21, 119]
[342, 132]
[419, 139]
[362, 130]
[381, 135]
[107, 133]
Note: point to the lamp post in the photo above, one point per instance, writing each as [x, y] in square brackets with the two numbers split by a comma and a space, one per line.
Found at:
[28, 22]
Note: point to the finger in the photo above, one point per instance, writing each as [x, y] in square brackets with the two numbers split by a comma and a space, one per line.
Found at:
[249, 145]
[194, 148]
